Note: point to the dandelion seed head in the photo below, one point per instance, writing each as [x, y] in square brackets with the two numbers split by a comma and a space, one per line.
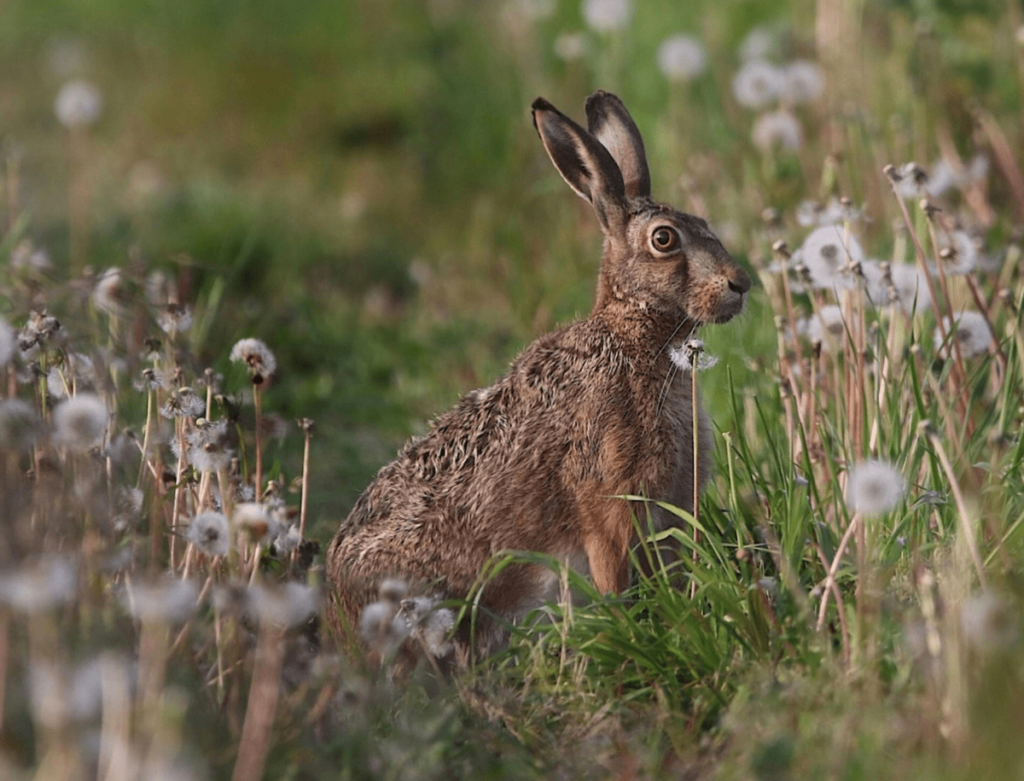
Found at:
[288, 605]
[825, 327]
[288, 540]
[958, 253]
[257, 357]
[571, 46]
[970, 329]
[209, 446]
[911, 180]
[80, 422]
[812, 214]
[607, 16]
[392, 590]
[26, 258]
[169, 600]
[874, 487]
[777, 130]
[109, 294]
[758, 44]
[757, 84]
[174, 319]
[19, 425]
[78, 104]
[150, 379]
[685, 355]
[183, 403]
[989, 623]
[828, 254]
[210, 532]
[681, 58]
[39, 586]
[253, 519]
[802, 82]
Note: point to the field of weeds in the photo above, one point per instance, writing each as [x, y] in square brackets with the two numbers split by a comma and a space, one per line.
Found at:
[247, 249]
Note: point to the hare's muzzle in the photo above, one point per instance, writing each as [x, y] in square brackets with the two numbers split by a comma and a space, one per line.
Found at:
[733, 294]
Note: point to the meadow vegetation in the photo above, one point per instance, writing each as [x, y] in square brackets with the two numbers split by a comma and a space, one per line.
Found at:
[249, 248]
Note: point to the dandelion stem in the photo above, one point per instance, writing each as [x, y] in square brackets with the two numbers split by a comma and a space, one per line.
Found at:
[961, 506]
[830, 577]
[262, 706]
[257, 401]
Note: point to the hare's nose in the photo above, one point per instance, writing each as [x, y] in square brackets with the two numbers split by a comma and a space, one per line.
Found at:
[740, 283]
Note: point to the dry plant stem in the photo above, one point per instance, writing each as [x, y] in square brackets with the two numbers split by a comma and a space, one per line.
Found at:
[5, 621]
[258, 403]
[78, 201]
[696, 464]
[985, 309]
[262, 706]
[844, 632]
[145, 437]
[919, 254]
[115, 726]
[961, 507]
[153, 653]
[1004, 156]
[179, 488]
[830, 577]
[304, 502]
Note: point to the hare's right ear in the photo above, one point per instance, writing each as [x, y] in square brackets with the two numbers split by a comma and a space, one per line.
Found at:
[610, 123]
[583, 162]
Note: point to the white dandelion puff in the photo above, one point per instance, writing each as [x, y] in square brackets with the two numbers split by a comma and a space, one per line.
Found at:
[209, 446]
[253, 519]
[287, 540]
[80, 422]
[758, 44]
[802, 82]
[288, 605]
[607, 16]
[183, 403]
[828, 255]
[257, 357]
[19, 425]
[911, 181]
[684, 355]
[757, 84]
[210, 533]
[174, 319]
[777, 130]
[170, 600]
[988, 623]
[78, 104]
[825, 327]
[681, 58]
[911, 288]
[958, 253]
[109, 294]
[39, 586]
[970, 329]
[570, 46]
[874, 487]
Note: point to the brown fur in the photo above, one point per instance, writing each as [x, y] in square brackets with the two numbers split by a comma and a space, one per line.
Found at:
[585, 414]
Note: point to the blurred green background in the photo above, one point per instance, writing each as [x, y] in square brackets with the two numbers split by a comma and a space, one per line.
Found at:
[358, 183]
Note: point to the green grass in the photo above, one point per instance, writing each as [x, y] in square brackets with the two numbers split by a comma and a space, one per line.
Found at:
[358, 185]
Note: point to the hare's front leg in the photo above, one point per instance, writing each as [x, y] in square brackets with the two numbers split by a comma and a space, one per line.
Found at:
[607, 546]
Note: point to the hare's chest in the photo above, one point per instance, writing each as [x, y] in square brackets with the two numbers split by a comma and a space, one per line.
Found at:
[677, 446]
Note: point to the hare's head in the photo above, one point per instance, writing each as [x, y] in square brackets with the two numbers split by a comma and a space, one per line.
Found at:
[655, 256]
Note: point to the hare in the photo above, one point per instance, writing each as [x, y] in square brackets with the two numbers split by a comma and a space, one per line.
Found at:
[586, 414]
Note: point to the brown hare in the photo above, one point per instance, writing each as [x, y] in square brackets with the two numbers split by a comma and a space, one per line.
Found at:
[585, 414]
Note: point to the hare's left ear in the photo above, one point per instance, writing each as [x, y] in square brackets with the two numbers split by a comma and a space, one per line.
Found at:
[611, 124]
[584, 163]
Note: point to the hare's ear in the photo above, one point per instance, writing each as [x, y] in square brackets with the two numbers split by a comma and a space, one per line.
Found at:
[583, 162]
[611, 124]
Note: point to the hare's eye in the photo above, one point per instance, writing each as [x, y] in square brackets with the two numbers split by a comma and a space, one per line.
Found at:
[664, 239]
